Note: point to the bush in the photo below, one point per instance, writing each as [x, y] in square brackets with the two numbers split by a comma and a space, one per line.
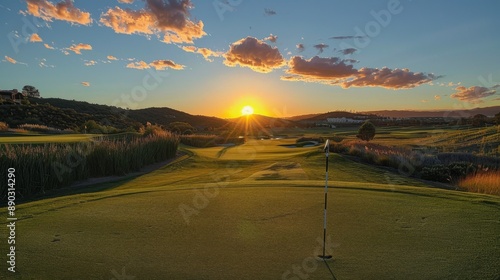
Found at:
[439, 173]
[4, 126]
[366, 131]
[39, 128]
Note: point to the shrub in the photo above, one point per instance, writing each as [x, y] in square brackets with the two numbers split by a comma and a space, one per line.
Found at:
[366, 131]
[439, 173]
[4, 126]
[39, 128]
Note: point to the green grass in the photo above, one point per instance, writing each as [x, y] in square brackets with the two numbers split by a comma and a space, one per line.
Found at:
[41, 139]
[262, 216]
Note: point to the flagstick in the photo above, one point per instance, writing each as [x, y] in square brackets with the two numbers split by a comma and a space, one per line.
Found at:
[327, 150]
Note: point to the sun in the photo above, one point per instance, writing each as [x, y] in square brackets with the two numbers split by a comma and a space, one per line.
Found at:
[247, 110]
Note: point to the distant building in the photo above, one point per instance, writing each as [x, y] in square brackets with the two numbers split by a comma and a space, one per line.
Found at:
[343, 120]
[13, 95]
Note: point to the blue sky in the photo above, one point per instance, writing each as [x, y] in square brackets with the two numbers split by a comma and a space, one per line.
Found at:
[351, 55]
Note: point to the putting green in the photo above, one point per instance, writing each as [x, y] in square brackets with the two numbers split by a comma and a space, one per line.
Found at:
[259, 217]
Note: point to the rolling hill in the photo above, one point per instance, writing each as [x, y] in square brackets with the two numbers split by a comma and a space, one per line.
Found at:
[63, 114]
[464, 113]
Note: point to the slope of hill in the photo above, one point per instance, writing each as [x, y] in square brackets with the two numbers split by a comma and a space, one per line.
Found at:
[165, 116]
[62, 114]
[337, 114]
[487, 111]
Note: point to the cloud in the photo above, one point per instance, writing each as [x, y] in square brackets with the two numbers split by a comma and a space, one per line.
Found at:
[64, 10]
[336, 71]
[110, 57]
[254, 54]
[321, 47]
[85, 84]
[169, 20]
[157, 64]
[48, 46]
[348, 51]
[207, 53]
[473, 94]
[35, 38]
[300, 47]
[126, 1]
[78, 48]
[90, 63]
[272, 38]
[347, 37]
[437, 97]
[318, 68]
[388, 78]
[10, 59]
[163, 64]
[424, 100]
[44, 64]
[138, 65]
[269, 12]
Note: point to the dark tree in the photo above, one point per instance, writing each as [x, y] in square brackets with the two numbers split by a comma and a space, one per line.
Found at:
[479, 120]
[497, 118]
[181, 128]
[366, 131]
[31, 91]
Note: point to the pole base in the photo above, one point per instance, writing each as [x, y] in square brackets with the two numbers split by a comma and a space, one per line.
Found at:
[327, 257]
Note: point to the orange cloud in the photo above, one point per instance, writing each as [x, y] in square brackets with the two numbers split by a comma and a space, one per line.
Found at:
[90, 63]
[48, 46]
[473, 94]
[35, 38]
[169, 21]
[138, 65]
[64, 10]
[207, 53]
[162, 64]
[272, 38]
[336, 71]
[78, 48]
[319, 68]
[10, 59]
[388, 78]
[254, 54]
[157, 64]
[85, 84]
[126, 1]
[110, 57]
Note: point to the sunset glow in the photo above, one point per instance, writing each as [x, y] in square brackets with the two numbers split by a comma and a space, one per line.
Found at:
[247, 110]
[213, 58]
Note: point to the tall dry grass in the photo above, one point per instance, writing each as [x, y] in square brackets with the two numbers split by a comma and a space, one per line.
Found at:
[487, 183]
[3, 126]
[54, 165]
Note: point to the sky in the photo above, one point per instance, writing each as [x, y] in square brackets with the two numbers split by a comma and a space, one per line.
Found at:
[281, 57]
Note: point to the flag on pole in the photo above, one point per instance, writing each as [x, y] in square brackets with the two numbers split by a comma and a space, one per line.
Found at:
[326, 149]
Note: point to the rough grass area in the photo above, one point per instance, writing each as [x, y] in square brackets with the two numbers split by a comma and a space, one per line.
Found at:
[488, 183]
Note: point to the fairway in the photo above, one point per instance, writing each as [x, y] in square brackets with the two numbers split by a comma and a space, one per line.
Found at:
[255, 212]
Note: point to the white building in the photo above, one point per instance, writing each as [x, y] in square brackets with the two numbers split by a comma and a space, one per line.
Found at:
[343, 120]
